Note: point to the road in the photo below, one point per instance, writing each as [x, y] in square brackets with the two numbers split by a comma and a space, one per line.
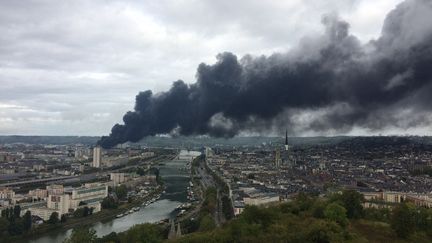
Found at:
[79, 178]
[207, 181]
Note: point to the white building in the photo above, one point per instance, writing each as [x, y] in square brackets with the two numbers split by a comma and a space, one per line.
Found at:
[188, 155]
[110, 161]
[66, 201]
[97, 157]
[6, 193]
[118, 178]
[148, 154]
[55, 189]
[60, 203]
[38, 193]
[261, 199]
[90, 194]
[42, 212]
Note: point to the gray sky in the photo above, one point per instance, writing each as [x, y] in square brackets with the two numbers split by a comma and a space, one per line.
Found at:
[74, 67]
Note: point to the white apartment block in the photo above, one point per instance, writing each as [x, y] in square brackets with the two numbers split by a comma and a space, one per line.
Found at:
[97, 157]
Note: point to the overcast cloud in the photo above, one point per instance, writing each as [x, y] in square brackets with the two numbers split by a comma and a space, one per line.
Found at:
[74, 67]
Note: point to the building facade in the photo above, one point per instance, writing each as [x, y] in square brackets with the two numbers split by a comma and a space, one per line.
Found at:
[97, 157]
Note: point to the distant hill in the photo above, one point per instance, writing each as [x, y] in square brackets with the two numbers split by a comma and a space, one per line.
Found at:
[192, 142]
[59, 140]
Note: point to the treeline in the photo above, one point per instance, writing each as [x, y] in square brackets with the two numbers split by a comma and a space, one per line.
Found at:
[208, 208]
[12, 224]
[138, 233]
[227, 207]
[337, 218]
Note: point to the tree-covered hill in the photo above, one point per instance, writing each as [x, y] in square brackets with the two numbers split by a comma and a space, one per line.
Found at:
[336, 218]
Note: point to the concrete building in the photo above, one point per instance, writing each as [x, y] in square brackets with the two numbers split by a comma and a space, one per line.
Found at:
[375, 199]
[97, 157]
[38, 193]
[239, 207]
[55, 189]
[42, 212]
[111, 161]
[148, 154]
[66, 201]
[90, 194]
[6, 193]
[278, 159]
[188, 155]
[261, 199]
[82, 152]
[59, 203]
[118, 178]
[208, 152]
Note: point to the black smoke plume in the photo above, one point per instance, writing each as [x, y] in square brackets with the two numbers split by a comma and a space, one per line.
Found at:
[330, 83]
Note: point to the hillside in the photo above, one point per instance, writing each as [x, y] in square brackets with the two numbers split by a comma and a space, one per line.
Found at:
[336, 218]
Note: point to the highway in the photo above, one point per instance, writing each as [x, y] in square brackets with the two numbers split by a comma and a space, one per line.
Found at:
[207, 181]
[79, 178]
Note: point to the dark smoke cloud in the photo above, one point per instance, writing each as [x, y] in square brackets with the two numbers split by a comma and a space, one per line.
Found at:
[334, 81]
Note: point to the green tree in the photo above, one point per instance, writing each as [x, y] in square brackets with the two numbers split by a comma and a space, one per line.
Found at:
[17, 211]
[336, 213]
[15, 226]
[79, 213]
[227, 207]
[143, 233]
[54, 218]
[27, 221]
[422, 218]
[210, 201]
[5, 213]
[140, 171]
[352, 201]
[157, 174]
[260, 216]
[377, 214]
[4, 226]
[63, 218]
[318, 208]
[206, 223]
[112, 237]
[322, 232]
[304, 201]
[81, 235]
[402, 220]
[121, 192]
[86, 211]
[109, 202]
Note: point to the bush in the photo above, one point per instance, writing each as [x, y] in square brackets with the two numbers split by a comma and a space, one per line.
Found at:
[109, 203]
[402, 220]
[54, 218]
[336, 213]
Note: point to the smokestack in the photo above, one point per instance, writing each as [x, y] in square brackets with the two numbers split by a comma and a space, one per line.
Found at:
[332, 83]
[286, 140]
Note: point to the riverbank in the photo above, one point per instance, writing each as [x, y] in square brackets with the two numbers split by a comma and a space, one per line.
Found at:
[176, 180]
[103, 215]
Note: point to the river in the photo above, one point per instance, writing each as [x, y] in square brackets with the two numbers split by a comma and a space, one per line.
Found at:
[176, 181]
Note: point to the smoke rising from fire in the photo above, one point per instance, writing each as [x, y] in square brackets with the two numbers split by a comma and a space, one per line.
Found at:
[331, 82]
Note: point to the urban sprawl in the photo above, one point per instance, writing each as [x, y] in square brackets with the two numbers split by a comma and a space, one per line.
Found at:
[61, 180]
